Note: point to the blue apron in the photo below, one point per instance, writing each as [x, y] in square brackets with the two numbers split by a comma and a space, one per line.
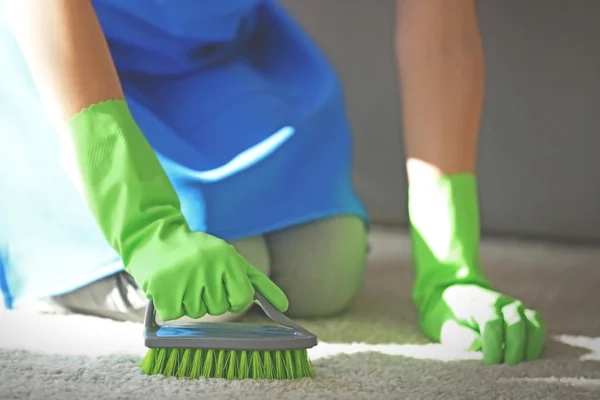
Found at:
[244, 112]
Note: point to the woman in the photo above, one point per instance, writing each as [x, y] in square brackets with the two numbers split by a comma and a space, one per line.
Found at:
[212, 155]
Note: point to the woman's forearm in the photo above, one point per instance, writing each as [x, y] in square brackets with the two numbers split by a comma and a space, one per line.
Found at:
[66, 52]
[103, 151]
[441, 75]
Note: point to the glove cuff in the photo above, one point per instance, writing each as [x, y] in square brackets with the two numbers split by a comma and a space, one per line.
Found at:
[119, 176]
[445, 232]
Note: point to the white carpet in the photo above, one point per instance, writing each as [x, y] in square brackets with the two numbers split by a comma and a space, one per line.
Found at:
[373, 352]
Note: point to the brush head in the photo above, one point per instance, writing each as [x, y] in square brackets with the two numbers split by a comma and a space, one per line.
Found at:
[230, 350]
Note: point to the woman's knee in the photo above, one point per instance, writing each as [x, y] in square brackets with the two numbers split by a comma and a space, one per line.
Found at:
[327, 297]
[320, 265]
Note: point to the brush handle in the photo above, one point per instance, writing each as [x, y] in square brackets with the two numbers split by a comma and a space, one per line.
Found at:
[276, 315]
[270, 311]
[150, 317]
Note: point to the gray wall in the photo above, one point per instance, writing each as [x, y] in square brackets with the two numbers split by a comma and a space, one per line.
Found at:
[541, 130]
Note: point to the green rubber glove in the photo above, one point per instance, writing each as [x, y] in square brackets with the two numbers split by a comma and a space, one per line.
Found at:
[137, 209]
[456, 304]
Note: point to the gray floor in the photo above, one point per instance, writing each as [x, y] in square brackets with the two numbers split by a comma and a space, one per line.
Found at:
[372, 352]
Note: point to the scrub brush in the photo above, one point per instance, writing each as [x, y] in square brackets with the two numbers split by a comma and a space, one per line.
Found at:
[228, 350]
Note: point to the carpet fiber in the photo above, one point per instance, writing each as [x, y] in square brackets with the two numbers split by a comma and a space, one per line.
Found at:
[372, 352]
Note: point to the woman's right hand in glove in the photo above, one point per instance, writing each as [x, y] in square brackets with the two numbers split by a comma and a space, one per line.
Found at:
[193, 274]
[137, 209]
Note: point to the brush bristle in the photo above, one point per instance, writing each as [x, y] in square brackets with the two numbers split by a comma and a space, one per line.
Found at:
[228, 364]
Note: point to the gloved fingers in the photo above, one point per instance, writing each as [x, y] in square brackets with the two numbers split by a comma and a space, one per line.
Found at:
[491, 329]
[459, 336]
[194, 304]
[168, 307]
[239, 290]
[215, 298]
[515, 332]
[268, 289]
[536, 334]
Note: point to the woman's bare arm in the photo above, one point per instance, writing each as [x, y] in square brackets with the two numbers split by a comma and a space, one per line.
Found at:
[441, 74]
[66, 52]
